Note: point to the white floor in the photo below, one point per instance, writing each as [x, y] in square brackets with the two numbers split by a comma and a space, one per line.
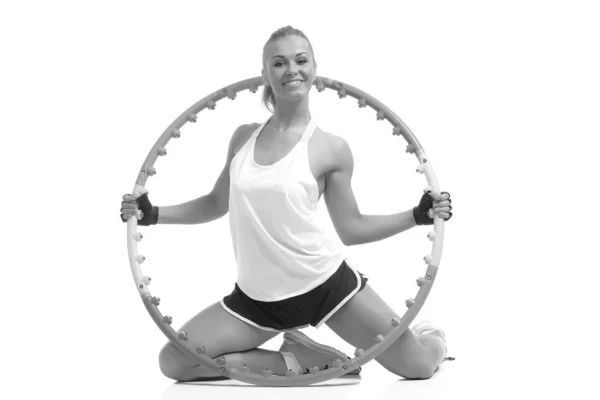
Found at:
[457, 379]
[454, 380]
[368, 386]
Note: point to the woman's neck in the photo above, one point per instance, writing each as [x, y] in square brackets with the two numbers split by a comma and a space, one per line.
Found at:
[290, 117]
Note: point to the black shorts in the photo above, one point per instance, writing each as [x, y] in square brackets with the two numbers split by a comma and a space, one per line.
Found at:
[311, 308]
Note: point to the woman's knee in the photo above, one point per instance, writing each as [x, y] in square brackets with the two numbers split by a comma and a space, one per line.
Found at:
[173, 363]
[167, 361]
[413, 370]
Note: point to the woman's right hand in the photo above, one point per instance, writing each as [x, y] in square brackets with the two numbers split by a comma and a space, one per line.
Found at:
[130, 205]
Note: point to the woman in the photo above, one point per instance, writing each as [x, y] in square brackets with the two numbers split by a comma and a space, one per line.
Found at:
[291, 273]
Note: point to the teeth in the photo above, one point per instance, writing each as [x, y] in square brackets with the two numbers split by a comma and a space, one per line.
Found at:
[293, 83]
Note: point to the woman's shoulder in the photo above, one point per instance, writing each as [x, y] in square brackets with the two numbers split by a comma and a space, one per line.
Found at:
[333, 148]
[329, 141]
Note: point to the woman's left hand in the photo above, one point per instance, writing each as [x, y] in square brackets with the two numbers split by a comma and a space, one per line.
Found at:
[441, 206]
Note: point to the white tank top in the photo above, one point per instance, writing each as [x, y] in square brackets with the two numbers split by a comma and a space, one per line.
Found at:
[282, 247]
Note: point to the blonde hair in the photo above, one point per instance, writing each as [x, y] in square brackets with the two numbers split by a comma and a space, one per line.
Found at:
[268, 98]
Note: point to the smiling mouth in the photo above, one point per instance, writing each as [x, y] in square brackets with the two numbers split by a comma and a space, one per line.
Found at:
[293, 83]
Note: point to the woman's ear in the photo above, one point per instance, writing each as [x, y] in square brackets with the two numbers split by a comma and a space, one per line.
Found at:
[264, 76]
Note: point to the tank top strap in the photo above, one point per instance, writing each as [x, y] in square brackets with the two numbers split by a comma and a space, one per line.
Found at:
[310, 130]
[259, 129]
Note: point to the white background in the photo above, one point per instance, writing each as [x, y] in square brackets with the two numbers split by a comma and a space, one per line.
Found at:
[503, 96]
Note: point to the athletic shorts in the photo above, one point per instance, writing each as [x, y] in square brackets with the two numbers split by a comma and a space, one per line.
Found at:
[311, 308]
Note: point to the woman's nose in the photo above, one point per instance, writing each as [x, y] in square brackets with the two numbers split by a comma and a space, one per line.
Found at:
[292, 69]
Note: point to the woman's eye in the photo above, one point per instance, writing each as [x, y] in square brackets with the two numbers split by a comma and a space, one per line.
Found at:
[279, 63]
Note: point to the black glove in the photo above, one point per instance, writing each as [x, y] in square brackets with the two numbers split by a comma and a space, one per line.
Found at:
[149, 212]
[426, 203]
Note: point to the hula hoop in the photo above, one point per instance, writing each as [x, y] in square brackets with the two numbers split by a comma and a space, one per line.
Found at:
[380, 342]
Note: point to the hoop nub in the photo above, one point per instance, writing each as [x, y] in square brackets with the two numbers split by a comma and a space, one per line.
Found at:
[382, 341]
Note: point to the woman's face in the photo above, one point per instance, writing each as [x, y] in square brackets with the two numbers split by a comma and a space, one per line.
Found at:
[286, 60]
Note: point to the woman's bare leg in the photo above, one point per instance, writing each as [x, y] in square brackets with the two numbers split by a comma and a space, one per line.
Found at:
[222, 335]
[367, 315]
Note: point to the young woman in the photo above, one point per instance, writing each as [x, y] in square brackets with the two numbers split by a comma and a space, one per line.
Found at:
[291, 274]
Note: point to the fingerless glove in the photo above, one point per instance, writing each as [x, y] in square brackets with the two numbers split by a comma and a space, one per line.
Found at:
[420, 211]
[150, 216]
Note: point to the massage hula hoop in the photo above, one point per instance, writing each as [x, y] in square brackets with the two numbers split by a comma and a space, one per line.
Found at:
[340, 367]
